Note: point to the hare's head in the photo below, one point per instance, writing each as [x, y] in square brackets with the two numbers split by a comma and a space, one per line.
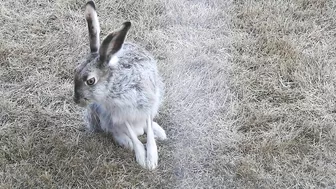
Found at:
[91, 75]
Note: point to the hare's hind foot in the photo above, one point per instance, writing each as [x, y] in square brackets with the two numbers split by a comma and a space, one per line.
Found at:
[124, 141]
[159, 133]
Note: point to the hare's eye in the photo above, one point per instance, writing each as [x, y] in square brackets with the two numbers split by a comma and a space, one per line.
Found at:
[91, 81]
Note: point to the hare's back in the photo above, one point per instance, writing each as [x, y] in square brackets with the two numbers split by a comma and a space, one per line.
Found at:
[137, 61]
[143, 63]
[134, 54]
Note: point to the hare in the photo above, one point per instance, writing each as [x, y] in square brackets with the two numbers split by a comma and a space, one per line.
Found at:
[119, 84]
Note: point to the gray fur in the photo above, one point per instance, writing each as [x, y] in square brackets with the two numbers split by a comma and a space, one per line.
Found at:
[133, 85]
[126, 96]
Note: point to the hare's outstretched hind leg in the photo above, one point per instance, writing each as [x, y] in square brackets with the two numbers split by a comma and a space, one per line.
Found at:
[139, 149]
[159, 133]
[152, 153]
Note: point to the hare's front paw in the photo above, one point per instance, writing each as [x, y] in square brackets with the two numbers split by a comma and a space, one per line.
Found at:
[140, 155]
[152, 159]
[152, 154]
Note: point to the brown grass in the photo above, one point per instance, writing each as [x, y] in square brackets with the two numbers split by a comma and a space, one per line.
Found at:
[284, 78]
[249, 103]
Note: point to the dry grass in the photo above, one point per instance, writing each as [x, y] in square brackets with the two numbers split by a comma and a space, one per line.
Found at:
[249, 103]
[284, 77]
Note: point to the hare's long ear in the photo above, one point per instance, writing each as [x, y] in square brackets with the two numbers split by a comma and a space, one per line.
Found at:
[93, 25]
[113, 43]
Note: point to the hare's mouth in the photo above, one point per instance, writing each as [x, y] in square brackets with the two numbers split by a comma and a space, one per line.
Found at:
[82, 102]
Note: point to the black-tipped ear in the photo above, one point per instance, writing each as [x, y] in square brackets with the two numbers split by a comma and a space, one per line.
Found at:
[92, 4]
[113, 42]
[93, 25]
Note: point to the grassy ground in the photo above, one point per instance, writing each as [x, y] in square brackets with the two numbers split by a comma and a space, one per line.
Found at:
[284, 70]
[250, 99]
